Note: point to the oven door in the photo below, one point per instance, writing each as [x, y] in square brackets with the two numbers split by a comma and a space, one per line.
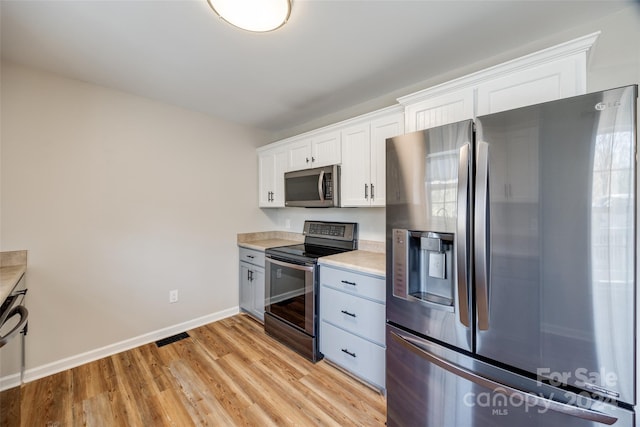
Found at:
[290, 292]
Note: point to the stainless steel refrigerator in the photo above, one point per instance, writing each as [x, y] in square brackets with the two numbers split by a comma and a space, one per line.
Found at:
[511, 253]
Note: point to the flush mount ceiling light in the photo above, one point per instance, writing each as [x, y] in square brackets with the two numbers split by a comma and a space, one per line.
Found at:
[253, 15]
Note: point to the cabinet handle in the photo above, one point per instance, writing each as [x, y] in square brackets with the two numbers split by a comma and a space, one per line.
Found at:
[347, 313]
[307, 159]
[349, 283]
[313, 159]
[251, 278]
[372, 191]
[344, 350]
[250, 256]
[366, 191]
[248, 275]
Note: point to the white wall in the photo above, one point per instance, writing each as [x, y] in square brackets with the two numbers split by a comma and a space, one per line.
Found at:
[118, 200]
[370, 220]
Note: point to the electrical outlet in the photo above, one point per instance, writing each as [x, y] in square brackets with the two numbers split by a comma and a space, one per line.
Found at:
[173, 296]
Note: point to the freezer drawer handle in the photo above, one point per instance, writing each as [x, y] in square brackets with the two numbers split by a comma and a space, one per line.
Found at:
[344, 350]
[23, 313]
[349, 283]
[347, 313]
[531, 399]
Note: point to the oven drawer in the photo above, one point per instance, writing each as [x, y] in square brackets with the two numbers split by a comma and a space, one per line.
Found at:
[252, 256]
[360, 316]
[359, 356]
[354, 283]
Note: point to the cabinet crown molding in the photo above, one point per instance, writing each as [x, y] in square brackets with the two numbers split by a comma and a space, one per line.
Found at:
[564, 50]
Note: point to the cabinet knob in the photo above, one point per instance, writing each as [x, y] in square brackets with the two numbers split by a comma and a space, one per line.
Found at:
[307, 159]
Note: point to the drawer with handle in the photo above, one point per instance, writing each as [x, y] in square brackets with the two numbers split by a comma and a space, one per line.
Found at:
[363, 317]
[252, 256]
[359, 356]
[363, 285]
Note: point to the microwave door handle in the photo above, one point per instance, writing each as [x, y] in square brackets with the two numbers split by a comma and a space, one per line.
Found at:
[321, 185]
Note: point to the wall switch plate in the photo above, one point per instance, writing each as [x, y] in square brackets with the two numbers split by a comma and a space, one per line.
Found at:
[173, 296]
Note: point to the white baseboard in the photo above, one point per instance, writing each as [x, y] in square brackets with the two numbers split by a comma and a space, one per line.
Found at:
[38, 372]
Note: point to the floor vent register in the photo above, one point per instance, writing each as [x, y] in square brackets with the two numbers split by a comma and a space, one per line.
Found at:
[172, 339]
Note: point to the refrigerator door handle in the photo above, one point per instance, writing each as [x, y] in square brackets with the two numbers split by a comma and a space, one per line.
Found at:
[532, 400]
[462, 235]
[481, 237]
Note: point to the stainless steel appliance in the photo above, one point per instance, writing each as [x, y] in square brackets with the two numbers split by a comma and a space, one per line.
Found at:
[13, 322]
[313, 188]
[511, 292]
[291, 288]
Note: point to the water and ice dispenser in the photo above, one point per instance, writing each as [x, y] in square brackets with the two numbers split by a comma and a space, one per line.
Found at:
[423, 267]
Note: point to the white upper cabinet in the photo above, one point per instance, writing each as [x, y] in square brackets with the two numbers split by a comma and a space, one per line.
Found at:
[356, 168]
[546, 82]
[546, 75]
[382, 128]
[322, 149]
[363, 158]
[358, 144]
[440, 110]
[272, 164]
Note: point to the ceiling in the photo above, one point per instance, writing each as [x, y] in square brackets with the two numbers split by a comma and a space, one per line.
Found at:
[330, 56]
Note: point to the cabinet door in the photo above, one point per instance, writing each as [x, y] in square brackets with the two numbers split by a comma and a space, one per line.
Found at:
[547, 82]
[325, 149]
[381, 129]
[440, 110]
[355, 170]
[299, 155]
[265, 179]
[258, 292]
[280, 164]
[246, 290]
[271, 167]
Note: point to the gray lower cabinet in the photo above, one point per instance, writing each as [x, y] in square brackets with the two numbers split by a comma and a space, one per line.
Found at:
[352, 322]
[252, 282]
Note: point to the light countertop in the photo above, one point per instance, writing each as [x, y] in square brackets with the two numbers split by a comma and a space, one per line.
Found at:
[369, 258]
[261, 245]
[13, 265]
[268, 239]
[363, 261]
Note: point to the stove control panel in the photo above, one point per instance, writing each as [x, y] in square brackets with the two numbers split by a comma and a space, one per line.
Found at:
[331, 230]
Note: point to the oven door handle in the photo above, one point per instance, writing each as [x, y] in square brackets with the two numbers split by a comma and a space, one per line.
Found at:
[290, 265]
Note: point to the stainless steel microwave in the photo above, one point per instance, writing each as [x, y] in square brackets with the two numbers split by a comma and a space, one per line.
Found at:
[313, 188]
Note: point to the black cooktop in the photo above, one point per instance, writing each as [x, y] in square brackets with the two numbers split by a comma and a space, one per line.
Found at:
[305, 250]
[321, 239]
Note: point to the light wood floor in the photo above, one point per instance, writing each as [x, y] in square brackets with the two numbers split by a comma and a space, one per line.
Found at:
[227, 373]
